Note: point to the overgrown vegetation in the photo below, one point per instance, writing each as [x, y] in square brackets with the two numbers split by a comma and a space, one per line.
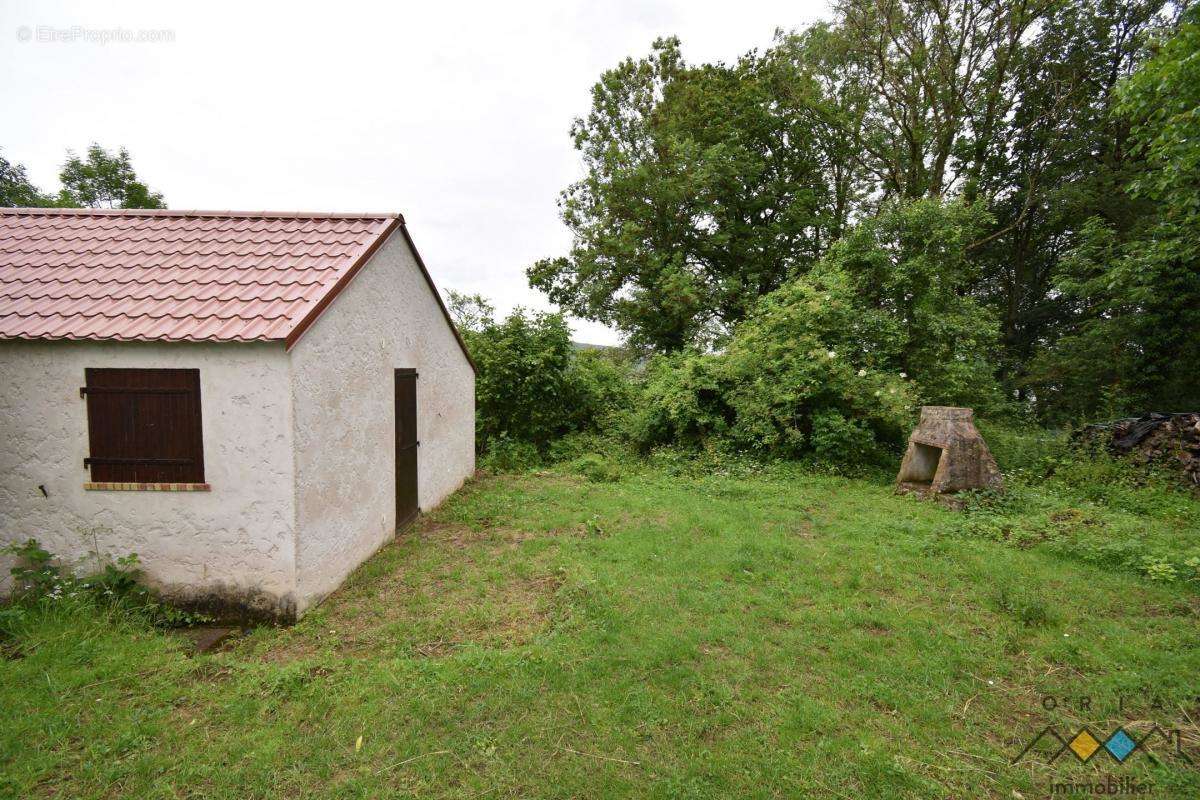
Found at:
[1090, 507]
[804, 246]
[811, 371]
[41, 587]
[533, 387]
[1011, 184]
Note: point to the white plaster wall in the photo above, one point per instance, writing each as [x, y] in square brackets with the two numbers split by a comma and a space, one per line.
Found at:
[344, 406]
[235, 543]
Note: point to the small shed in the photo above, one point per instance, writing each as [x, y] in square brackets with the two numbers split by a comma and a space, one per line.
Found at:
[253, 403]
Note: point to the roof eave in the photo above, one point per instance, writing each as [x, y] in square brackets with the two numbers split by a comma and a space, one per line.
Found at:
[437, 296]
[398, 222]
[186, 212]
[328, 297]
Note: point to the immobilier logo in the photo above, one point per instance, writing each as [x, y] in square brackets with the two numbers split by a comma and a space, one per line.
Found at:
[1083, 745]
[1119, 745]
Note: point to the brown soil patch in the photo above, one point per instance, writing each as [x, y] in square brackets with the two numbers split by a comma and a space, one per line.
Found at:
[721, 651]
[803, 530]
[875, 629]
[460, 537]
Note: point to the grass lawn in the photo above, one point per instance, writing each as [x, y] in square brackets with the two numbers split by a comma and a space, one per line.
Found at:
[772, 635]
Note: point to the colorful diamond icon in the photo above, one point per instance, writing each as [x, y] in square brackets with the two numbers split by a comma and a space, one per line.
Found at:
[1084, 745]
[1120, 744]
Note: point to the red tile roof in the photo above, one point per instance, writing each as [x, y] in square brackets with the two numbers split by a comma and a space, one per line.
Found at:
[177, 275]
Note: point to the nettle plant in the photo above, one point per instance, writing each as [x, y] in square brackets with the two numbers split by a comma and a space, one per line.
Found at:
[39, 577]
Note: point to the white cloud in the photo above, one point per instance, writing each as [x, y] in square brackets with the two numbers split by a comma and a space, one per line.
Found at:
[455, 114]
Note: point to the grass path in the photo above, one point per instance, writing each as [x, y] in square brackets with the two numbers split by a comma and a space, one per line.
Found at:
[544, 636]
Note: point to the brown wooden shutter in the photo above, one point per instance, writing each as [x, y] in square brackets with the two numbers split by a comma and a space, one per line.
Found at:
[144, 425]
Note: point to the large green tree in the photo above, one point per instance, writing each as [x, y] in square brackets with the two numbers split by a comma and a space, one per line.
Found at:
[709, 186]
[1133, 287]
[99, 180]
[1063, 157]
[104, 180]
[16, 190]
[912, 262]
[706, 187]
[940, 77]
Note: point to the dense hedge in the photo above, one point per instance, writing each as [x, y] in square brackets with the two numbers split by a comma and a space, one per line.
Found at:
[830, 366]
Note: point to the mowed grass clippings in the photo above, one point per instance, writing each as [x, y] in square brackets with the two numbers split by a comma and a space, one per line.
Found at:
[658, 636]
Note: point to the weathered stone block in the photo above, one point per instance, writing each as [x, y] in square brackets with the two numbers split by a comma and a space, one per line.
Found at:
[947, 454]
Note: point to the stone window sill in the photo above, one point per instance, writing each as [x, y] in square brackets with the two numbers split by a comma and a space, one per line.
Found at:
[108, 486]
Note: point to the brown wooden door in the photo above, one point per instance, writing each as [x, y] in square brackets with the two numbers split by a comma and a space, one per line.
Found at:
[406, 447]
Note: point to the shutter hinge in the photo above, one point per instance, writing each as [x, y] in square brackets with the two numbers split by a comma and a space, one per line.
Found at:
[82, 391]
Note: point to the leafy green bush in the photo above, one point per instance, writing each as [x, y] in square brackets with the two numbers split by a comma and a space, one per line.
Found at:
[836, 439]
[533, 386]
[912, 266]
[602, 389]
[799, 377]
[683, 401]
[522, 391]
[811, 362]
[597, 468]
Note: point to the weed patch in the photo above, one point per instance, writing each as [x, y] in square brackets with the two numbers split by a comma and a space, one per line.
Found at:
[1100, 512]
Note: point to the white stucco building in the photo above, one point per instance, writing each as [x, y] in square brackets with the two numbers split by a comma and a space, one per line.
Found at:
[238, 398]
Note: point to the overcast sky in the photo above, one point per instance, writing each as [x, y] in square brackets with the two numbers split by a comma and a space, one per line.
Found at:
[455, 114]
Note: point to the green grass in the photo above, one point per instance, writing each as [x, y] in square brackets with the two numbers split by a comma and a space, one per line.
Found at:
[774, 634]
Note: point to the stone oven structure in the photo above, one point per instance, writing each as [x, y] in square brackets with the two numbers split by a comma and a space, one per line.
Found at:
[947, 454]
